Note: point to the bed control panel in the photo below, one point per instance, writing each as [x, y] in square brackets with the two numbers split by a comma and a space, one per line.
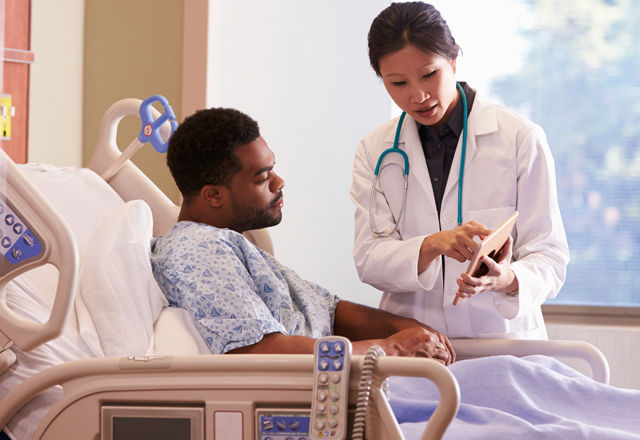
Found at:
[280, 424]
[19, 244]
[332, 363]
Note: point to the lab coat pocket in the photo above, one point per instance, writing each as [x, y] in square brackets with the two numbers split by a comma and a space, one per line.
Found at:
[490, 218]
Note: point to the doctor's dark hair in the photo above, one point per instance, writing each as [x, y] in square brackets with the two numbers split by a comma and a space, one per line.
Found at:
[416, 23]
[202, 151]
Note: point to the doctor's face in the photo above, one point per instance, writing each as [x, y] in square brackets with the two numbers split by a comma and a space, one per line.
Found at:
[256, 191]
[421, 84]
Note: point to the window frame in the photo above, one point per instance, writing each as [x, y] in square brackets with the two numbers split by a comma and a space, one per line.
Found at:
[591, 315]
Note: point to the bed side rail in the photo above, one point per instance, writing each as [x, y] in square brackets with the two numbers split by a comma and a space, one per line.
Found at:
[34, 234]
[475, 348]
[190, 374]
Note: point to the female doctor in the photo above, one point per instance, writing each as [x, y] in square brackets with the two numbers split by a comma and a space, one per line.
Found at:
[418, 255]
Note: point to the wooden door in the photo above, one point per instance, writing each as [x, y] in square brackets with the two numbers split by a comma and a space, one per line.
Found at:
[16, 60]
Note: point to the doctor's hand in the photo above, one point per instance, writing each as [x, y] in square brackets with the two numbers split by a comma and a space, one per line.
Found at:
[500, 277]
[457, 244]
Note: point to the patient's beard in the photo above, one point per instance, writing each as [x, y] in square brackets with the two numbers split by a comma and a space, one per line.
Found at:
[246, 218]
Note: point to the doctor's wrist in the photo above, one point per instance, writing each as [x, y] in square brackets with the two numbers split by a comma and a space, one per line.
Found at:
[513, 288]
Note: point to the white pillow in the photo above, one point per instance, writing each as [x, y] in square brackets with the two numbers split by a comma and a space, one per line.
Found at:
[117, 286]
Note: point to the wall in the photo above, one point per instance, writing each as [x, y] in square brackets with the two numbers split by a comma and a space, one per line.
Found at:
[55, 100]
[132, 50]
[300, 68]
[619, 344]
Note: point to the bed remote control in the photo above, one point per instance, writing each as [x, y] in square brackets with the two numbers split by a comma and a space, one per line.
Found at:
[332, 362]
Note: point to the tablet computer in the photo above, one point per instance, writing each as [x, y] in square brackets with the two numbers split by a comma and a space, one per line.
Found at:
[490, 246]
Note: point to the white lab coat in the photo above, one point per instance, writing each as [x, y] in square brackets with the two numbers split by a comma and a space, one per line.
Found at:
[508, 167]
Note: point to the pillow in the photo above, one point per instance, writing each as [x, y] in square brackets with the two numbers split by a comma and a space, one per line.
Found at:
[117, 289]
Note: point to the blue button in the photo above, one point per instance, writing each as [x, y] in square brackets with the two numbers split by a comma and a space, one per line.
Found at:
[6, 242]
[9, 219]
[16, 253]
[17, 228]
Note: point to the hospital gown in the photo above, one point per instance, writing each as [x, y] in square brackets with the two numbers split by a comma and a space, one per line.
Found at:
[235, 292]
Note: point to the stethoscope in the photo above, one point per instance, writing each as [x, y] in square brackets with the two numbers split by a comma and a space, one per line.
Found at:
[388, 232]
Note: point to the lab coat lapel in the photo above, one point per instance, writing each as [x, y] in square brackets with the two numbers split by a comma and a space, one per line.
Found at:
[417, 163]
[482, 120]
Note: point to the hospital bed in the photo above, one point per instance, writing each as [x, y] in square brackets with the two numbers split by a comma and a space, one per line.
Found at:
[78, 369]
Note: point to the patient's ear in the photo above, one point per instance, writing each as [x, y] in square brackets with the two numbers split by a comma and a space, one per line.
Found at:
[214, 195]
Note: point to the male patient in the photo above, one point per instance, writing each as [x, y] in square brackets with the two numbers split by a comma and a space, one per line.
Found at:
[241, 298]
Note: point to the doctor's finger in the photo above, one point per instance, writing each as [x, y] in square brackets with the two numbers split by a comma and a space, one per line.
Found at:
[506, 250]
[470, 281]
[494, 267]
[474, 228]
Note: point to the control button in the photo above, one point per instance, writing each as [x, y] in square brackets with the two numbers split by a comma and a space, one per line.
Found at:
[333, 423]
[324, 365]
[16, 253]
[267, 425]
[337, 365]
[448, 218]
[334, 410]
[28, 239]
[335, 378]
[281, 425]
[9, 219]
[322, 397]
[321, 408]
[323, 378]
[17, 228]
[6, 242]
[337, 347]
[295, 425]
[319, 424]
[335, 396]
[324, 347]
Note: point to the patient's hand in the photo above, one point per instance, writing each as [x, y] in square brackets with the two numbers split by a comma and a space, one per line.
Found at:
[419, 342]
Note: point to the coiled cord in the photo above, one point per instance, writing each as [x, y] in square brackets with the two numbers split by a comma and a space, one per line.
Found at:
[364, 391]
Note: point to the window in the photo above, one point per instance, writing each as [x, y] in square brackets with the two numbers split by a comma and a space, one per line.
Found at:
[572, 67]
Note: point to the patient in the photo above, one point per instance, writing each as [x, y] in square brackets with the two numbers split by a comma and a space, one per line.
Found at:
[241, 298]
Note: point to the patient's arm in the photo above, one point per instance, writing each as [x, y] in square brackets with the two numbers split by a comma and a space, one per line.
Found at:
[365, 327]
[397, 335]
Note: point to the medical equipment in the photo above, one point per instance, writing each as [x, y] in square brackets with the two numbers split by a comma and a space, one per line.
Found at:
[331, 367]
[379, 168]
[219, 397]
[150, 132]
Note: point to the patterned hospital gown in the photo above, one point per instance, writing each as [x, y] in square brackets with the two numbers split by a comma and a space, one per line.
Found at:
[235, 292]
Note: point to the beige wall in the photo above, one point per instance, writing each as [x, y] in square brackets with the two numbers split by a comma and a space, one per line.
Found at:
[55, 98]
[132, 50]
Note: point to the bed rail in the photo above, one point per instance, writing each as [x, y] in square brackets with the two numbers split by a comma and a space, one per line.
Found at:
[35, 234]
[475, 348]
[88, 383]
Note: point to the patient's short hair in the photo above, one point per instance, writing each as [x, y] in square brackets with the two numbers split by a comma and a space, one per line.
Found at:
[202, 151]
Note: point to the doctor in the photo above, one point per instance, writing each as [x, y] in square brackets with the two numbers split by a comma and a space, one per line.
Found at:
[419, 255]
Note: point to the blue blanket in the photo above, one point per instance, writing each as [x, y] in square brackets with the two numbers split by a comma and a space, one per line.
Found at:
[530, 398]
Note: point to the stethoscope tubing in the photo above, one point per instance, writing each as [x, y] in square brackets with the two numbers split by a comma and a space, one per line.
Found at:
[395, 149]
